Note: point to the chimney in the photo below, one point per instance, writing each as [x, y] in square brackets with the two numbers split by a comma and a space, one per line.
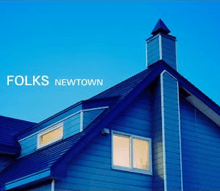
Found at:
[161, 46]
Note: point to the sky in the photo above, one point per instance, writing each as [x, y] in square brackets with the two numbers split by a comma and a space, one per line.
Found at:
[98, 40]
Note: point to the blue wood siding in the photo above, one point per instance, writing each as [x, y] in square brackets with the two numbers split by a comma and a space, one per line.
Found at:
[171, 132]
[158, 170]
[89, 116]
[153, 51]
[200, 149]
[71, 126]
[28, 145]
[92, 168]
[4, 161]
[169, 51]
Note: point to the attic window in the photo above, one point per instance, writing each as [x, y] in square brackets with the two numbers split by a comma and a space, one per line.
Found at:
[131, 153]
[50, 136]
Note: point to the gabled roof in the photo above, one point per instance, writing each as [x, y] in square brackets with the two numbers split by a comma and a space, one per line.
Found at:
[47, 158]
[81, 105]
[55, 158]
[9, 128]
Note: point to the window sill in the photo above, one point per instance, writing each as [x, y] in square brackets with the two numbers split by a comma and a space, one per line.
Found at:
[133, 170]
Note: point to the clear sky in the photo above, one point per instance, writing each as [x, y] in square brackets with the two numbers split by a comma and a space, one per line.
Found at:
[98, 39]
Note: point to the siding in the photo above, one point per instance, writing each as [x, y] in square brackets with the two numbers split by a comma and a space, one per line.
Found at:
[200, 149]
[153, 54]
[4, 161]
[91, 169]
[158, 170]
[28, 145]
[71, 126]
[89, 116]
[171, 132]
[169, 51]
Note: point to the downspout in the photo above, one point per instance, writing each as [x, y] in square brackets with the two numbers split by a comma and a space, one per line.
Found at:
[53, 185]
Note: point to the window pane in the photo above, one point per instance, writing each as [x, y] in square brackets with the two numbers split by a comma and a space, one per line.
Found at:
[50, 136]
[121, 151]
[141, 154]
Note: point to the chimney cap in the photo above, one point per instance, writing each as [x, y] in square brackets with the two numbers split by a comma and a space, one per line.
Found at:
[160, 27]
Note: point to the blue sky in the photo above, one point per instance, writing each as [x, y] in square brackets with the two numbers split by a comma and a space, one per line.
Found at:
[98, 39]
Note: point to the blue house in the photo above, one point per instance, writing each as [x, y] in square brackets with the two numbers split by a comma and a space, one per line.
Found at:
[153, 131]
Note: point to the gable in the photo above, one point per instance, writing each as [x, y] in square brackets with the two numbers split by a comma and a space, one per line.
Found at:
[123, 96]
[204, 108]
[89, 169]
[200, 149]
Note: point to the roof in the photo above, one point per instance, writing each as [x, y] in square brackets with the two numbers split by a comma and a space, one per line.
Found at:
[9, 128]
[47, 157]
[37, 161]
[57, 156]
[160, 27]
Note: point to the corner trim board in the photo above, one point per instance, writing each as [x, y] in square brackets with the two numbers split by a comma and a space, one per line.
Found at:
[163, 129]
[160, 46]
[53, 185]
[163, 120]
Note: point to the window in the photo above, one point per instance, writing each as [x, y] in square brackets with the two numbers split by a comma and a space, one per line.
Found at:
[49, 136]
[131, 153]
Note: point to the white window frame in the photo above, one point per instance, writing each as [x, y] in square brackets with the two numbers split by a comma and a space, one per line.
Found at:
[57, 126]
[132, 169]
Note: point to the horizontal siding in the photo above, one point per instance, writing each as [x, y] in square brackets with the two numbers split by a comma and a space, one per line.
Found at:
[200, 148]
[92, 170]
[71, 126]
[171, 131]
[153, 53]
[158, 166]
[28, 145]
[169, 51]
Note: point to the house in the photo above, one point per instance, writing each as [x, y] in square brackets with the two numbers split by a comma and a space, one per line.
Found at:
[153, 131]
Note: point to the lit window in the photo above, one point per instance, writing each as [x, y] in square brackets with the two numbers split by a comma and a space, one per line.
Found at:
[121, 148]
[131, 153]
[49, 136]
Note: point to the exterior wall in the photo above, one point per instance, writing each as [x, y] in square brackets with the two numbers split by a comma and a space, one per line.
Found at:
[28, 145]
[171, 132]
[158, 170]
[4, 161]
[89, 116]
[71, 126]
[153, 50]
[169, 51]
[92, 168]
[200, 149]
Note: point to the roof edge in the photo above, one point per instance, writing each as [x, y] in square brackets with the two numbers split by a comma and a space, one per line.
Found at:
[61, 164]
[9, 150]
[28, 180]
